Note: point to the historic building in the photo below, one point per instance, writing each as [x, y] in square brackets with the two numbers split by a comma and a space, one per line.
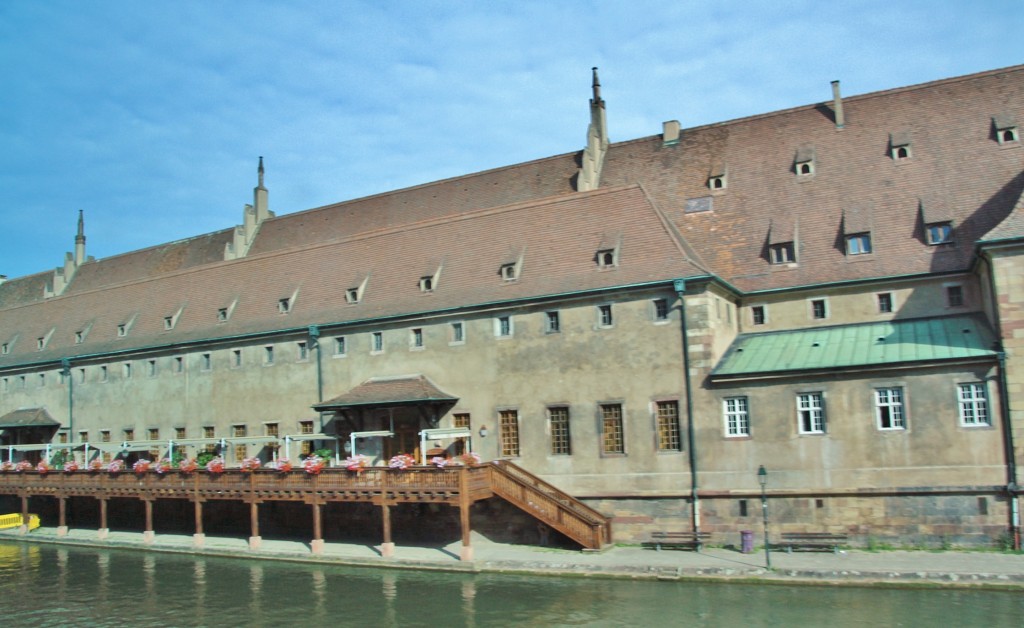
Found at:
[834, 291]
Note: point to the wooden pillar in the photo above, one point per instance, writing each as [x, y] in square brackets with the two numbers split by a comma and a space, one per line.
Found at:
[387, 548]
[62, 524]
[24, 514]
[254, 525]
[318, 534]
[199, 538]
[148, 536]
[104, 531]
[466, 553]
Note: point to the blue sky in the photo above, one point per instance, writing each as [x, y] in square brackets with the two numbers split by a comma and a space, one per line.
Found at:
[150, 116]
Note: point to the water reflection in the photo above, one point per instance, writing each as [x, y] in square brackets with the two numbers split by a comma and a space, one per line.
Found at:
[48, 586]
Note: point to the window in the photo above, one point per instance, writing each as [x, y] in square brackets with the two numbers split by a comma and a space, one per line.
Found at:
[1006, 129]
[151, 368]
[1007, 136]
[819, 308]
[973, 404]
[939, 233]
[668, 426]
[509, 432]
[558, 420]
[179, 433]
[552, 325]
[782, 253]
[305, 427]
[858, 244]
[79, 337]
[612, 441]
[81, 375]
[460, 420]
[340, 346]
[103, 373]
[889, 408]
[604, 315]
[352, 295]
[208, 433]
[271, 429]
[811, 413]
[717, 182]
[5, 348]
[104, 436]
[206, 361]
[240, 451]
[508, 272]
[83, 436]
[302, 351]
[21, 382]
[416, 338]
[122, 330]
[377, 342]
[661, 309]
[427, 284]
[884, 302]
[284, 305]
[236, 358]
[954, 296]
[42, 380]
[503, 326]
[168, 322]
[607, 258]
[757, 314]
[40, 343]
[129, 434]
[805, 168]
[179, 364]
[268, 355]
[222, 314]
[901, 152]
[4, 384]
[62, 437]
[737, 417]
[458, 332]
[154, 433]
[126, 370]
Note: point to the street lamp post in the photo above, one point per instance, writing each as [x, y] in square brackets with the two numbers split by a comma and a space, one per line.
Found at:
[762, 477]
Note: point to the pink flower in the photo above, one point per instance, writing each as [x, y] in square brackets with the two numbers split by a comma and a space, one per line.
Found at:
[313, 465]
[401, 461]
[70, 466]
[215, 466]
[42, 467]
[439, 462]
[251, 464]
[24, 465]
[283, 465]
[141, 465]
[162, 466]
[96, 465]
[357, 462]
[116, 466]
[6, 466]
[187, 466]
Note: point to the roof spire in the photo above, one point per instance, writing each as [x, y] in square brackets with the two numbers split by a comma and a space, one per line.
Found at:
[597, 89]
[81, 226]
[260, 171]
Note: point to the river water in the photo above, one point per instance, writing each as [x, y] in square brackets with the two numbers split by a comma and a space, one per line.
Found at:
[48, 585]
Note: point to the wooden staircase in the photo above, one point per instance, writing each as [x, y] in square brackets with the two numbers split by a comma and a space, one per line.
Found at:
[556, 509]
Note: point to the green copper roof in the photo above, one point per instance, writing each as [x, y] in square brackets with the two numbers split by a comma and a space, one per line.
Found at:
[846, 346]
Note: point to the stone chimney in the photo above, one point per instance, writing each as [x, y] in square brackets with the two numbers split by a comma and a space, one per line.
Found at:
[670, 133]
[597, 142]
[837, 106]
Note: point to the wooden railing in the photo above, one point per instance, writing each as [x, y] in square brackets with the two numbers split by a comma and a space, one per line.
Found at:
[559, 510]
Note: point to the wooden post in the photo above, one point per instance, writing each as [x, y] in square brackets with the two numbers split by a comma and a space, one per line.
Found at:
[387, 548]
[62, 524]
[148, 536]
[318, 541]
[254, 525]
[199, 538]
[24, 514]
[466, 553]
[104, 531]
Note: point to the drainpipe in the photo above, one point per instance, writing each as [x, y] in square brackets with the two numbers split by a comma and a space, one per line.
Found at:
[65, 365]
[1011, 457]
[314, 340]
[680, 288]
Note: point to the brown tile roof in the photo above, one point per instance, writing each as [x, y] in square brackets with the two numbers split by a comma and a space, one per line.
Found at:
[22, 290]
[559, 236]
[389, 391]
[1011, 228]
[28, 417]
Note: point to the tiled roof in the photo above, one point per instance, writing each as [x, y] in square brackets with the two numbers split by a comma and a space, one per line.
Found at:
[389, 391]
[22, 290]
[851, 346]
[28, 417]
[559, 235]
[1011, 228]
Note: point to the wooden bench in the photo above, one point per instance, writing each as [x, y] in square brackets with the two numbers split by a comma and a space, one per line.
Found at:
[677, 540]
[812, 541]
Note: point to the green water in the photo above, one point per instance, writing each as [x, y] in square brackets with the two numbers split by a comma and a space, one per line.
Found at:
[46, 585]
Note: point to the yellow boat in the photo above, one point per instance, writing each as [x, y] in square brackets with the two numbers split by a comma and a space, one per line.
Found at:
[13, 521]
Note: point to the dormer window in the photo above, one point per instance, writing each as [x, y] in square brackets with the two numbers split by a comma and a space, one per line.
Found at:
[899, 146]
[939, 233]
[79, 337]
[858, 244]
[222, 314]
[805, 168]
[5, 348]
[352, 295]
[803, 163]
[508, 272]
[284, 305]
[168, 322]
[122, 330]
[1006, 130]
[717, 182]
[40, 343]
[426, 284]
[782, 253]
[607, 258]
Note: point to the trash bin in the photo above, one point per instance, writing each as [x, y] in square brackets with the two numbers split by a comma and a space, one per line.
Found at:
[746, 541]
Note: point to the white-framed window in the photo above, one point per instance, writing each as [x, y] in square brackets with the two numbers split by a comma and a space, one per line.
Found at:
[377, 342]
[858, 244]
[6, 348]
[206, 362]
[607, 258]
[889, 408]
[508, 271]
[340, 345]
[804, 168]
[604, 315]
[416, 338]
[236, 358]
[503, 326]
[782, 253]
[284, 305]
[126, 370]
[737, 416]
[552, 322]
[122, 330]
[717, 182]
[810, 409]
[758, 314]
[302, 351]
[427, 283]
[939, 233]
[222, 314]
[79, 337]
[972, 400]
[660, 310]
[268, 355]
[458, 333]
[352, 295]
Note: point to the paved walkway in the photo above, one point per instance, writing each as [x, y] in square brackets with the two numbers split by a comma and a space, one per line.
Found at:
[949, 568]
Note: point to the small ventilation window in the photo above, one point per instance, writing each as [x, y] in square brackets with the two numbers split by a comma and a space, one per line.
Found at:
[805, 168]
[122, 330]
[168, 322]
[803, 163]
[606, 258]
[899, 146]
[40, 343]
[717, 182]
[426, 284]
[1007, 131]
[5, 349]
[352, 295]
[284, 305]
[79, 337]
[508, 272]
[222, 314]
